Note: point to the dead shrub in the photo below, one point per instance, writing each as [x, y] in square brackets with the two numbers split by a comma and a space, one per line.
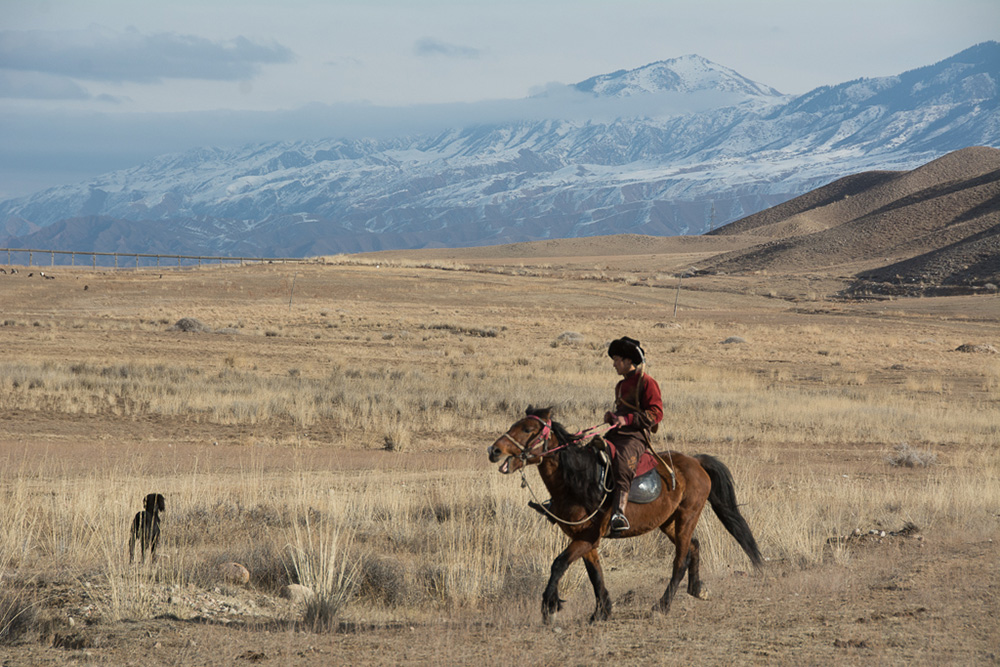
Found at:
[972, 348]
[904, 456]
[569, 338]
[190, 325]
[397, 438]
[383, 581]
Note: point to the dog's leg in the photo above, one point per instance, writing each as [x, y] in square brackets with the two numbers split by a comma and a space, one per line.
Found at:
[133, 534]
[154, 538]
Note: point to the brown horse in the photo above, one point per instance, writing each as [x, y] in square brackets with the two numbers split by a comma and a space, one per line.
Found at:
[577, 506]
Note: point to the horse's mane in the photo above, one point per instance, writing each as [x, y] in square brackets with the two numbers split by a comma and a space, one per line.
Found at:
[579, 463]
[580, 468]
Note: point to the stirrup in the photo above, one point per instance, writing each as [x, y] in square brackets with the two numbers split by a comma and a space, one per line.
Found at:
[619, 523]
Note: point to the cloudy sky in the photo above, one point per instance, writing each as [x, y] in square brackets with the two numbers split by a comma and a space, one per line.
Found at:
[90, 86]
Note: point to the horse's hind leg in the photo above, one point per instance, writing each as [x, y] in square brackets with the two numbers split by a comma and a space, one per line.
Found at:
[680, 533]
[603, 609]
[694, 578]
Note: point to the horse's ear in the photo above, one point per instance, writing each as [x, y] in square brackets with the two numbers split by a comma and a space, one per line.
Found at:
[544, 413]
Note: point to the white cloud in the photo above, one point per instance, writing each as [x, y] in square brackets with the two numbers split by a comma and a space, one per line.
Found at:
[428, 46]
[100, 54]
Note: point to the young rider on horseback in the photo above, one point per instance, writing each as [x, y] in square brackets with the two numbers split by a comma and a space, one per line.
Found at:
[638, 411]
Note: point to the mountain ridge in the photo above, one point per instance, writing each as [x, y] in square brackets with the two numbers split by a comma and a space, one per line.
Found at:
[672, 174]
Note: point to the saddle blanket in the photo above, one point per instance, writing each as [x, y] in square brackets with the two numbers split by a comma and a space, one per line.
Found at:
[646, 462]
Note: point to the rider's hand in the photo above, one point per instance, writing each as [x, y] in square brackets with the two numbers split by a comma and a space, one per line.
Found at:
[615, 420]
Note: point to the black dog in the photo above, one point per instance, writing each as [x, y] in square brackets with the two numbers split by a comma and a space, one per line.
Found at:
[146, 527]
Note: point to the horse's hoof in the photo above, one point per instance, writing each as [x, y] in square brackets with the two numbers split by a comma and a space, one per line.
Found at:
[660, 608]
[550, 607]
[600, 615]
[698, 591]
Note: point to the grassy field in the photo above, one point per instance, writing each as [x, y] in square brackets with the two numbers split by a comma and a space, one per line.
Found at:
[327, 424]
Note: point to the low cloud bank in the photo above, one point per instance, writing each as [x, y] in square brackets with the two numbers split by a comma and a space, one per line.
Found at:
[89, 144]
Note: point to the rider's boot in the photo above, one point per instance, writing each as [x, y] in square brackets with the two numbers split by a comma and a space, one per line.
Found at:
[545, 509]
[619, 523]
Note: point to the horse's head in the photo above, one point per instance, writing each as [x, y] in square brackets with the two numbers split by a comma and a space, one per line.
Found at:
[525, 442]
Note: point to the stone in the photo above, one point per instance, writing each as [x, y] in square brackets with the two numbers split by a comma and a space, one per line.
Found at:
[234, 573]
[297, 593]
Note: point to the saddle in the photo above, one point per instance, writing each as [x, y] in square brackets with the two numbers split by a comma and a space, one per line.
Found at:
[647, 483]
[586, 470]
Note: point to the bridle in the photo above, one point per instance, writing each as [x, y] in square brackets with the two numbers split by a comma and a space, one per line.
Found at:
[543, 435]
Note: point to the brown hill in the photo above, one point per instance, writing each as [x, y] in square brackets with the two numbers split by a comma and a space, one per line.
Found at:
[935, 229]
[623, 251]
[932, 230]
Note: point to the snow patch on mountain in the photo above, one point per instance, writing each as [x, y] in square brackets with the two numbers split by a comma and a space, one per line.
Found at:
[687, 74]
[666, 173]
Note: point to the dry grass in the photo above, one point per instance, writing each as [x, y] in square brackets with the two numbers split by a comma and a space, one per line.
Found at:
[329, 442]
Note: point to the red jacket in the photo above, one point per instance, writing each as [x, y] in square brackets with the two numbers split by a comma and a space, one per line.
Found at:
[642, 405]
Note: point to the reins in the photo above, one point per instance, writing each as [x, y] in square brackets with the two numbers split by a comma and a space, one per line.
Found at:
[543, 435]
[604, 487]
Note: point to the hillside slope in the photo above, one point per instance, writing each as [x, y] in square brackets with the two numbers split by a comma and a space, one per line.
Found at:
[930, 230]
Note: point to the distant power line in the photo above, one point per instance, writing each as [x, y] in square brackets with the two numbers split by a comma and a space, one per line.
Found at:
[151, 259]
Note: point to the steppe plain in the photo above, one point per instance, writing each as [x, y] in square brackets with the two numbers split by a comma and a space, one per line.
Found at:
[342, 408]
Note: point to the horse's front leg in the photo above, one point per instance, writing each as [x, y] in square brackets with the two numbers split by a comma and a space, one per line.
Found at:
[603, 609]
[550, 598]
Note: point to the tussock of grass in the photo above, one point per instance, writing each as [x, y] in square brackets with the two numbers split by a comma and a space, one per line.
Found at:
[905, 456]
[18, 614]
[320, 558]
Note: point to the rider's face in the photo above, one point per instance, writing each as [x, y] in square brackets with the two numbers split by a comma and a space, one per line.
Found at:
[622, 366]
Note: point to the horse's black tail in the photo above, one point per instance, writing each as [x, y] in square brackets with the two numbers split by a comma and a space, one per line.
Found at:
[723, 500]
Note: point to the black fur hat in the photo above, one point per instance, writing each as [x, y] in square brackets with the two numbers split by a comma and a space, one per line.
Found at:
[627, 348]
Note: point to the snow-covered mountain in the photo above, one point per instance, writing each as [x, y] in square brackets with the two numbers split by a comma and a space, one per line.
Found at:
[686, 74]
[664, 172]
